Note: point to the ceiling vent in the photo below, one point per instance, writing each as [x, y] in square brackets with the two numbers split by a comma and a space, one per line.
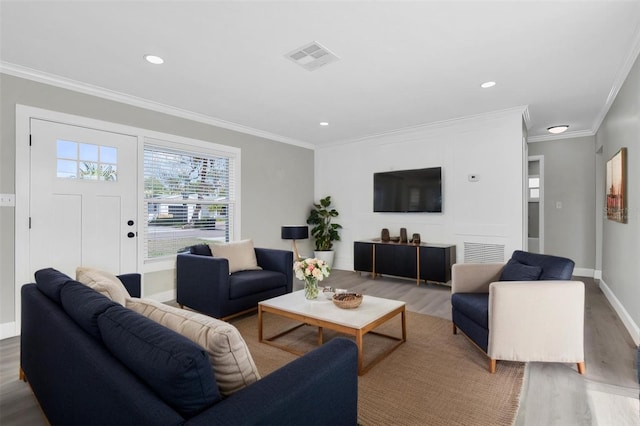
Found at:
[312, 56]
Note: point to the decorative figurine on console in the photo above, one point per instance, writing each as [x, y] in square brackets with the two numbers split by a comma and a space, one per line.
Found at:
[416, 238]
[384, 235]
[403, 235]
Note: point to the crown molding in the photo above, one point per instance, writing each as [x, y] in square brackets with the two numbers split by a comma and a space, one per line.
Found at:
[100, 92]
[565, 135]
[622, 75]
[526, 116]
[433, 126]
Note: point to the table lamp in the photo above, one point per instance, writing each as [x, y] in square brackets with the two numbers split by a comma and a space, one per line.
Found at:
[295, 233]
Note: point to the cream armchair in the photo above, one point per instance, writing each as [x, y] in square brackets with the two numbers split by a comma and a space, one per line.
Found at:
[539, 318]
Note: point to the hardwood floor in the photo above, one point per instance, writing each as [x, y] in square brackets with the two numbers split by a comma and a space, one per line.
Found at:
[553, 394]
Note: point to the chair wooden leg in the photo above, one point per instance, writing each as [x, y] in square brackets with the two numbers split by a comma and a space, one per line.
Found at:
[21, 375]
[455, 329]
[181, 305]
[492, 365]
[582, 367]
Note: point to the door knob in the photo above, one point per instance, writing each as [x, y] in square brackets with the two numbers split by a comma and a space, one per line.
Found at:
[131, 235]
[130, 222]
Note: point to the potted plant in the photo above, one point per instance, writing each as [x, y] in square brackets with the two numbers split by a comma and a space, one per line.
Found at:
[324, 232]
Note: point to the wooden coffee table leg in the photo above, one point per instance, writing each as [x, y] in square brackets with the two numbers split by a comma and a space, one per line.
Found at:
[259, 323]
[360, 357]
[404, 325]
[319, 336]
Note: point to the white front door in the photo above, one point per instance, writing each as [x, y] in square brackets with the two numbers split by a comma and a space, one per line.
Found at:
[83, 199]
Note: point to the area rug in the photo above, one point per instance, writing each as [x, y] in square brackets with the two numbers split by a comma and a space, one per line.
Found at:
[435, 378]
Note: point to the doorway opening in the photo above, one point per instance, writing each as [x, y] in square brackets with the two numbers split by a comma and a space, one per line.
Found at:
[535, 204]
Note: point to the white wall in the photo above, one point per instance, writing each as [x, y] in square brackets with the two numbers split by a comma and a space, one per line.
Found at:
[487, 211]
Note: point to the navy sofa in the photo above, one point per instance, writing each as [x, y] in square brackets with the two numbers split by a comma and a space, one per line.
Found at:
[203, 282]
[78, 355]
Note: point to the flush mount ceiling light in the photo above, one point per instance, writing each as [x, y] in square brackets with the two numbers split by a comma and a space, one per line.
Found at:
[558, 129]
[324, 123]
[312, 56]
[153, 59]
[488, 84]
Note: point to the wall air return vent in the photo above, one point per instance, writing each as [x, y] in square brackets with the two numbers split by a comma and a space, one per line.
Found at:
[312, 56]
[483, 253]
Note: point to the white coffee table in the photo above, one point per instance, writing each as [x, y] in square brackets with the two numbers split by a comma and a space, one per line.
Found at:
[322, 313]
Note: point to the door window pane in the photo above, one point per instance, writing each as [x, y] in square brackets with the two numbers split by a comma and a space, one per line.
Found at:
[88, 152]
[86, 161]
[67, 169]
[108, 154]
[66, 149]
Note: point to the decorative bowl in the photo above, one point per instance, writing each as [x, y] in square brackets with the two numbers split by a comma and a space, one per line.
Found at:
[347, 300]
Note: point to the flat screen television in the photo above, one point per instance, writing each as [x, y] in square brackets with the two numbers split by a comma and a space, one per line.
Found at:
[406, 191]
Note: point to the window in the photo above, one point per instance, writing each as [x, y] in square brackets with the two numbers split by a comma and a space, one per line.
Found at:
[189, 198]
[76, 160]
[534, 188]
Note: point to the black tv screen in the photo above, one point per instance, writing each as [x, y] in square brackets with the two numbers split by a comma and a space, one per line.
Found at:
[403, 191]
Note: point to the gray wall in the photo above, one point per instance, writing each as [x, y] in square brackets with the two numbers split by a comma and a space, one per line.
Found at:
[621, 242]
[277, 178]
[569, 179]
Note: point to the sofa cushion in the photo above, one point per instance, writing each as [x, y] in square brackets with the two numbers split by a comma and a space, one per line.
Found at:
[516, 271]
[473, 305]
[173, 366]
[241, 255]
[84, 305]
[228, 353]
[553, 267]
[245, 283]
[103, 282]
[50, 281]
[200, 250]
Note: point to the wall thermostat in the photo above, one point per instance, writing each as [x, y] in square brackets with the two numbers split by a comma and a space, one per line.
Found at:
[474, 178]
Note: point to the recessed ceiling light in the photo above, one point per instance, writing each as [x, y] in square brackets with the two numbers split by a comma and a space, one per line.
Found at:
[324, 123]
[558, 129]
[488, 84]
[153, 59]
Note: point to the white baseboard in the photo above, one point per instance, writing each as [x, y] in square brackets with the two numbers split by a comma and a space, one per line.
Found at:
[583, 272]
[626, 319]
[162, 297]
[7, 329]
[597, 274]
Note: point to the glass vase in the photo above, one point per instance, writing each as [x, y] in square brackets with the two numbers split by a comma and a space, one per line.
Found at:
[311, 288]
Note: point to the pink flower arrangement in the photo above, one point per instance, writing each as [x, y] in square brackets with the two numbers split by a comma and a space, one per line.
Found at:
[311, 268]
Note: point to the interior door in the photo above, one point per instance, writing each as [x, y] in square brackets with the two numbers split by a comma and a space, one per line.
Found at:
[83, 198]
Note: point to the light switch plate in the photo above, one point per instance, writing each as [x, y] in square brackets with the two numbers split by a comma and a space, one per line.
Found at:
[7, 200]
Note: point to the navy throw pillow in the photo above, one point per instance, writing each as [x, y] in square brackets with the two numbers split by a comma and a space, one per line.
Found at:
[50, 281]
[201, 250]
[177, 369]
[516, 271]
[84, 305]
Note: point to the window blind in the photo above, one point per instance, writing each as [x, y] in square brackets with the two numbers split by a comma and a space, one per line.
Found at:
[189, 198]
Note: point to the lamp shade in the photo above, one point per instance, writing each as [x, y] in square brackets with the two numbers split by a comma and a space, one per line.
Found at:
[294, 232]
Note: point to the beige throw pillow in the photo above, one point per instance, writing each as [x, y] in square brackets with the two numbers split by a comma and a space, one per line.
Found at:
[104, 283]
[229, 355]
[241, 255]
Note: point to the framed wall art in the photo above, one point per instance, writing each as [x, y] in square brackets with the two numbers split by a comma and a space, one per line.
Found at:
[616, 187]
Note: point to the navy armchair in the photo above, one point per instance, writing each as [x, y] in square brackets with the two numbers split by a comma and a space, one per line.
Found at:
[526, 310]
[204, 283]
